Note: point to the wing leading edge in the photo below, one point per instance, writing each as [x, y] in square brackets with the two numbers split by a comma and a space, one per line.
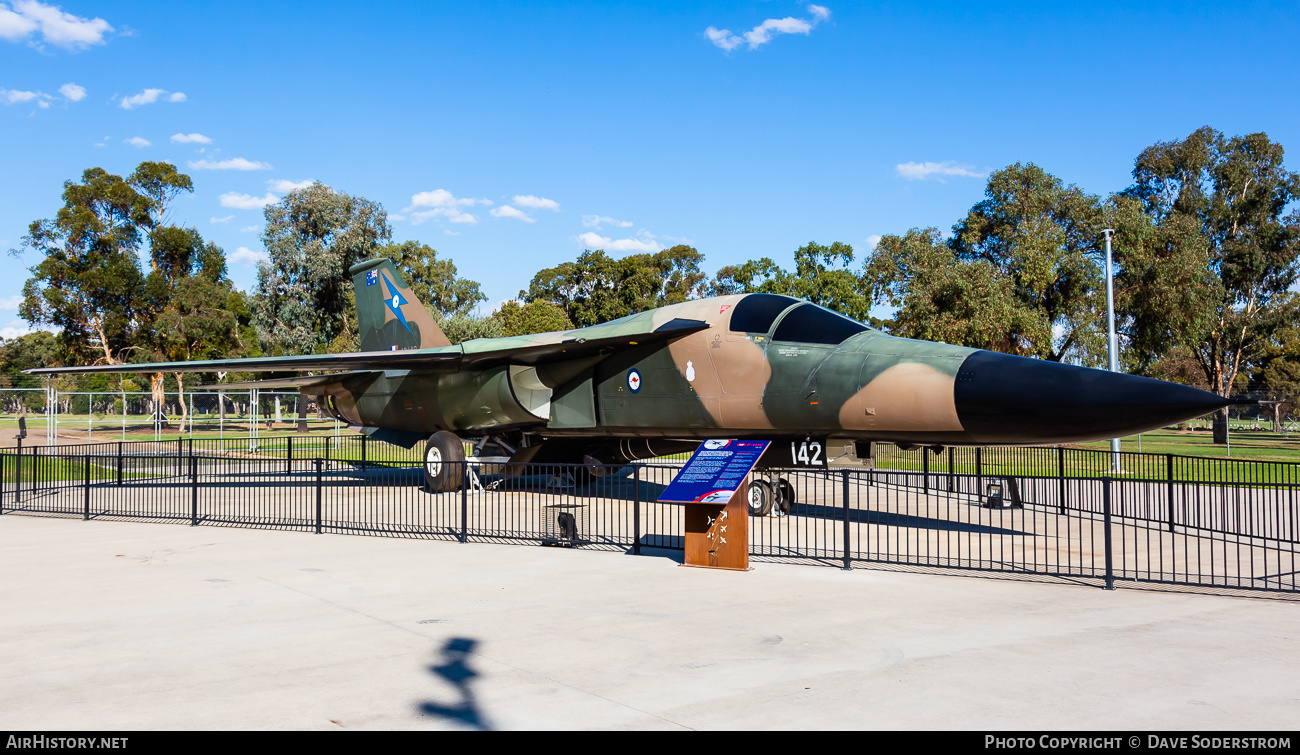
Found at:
[478, 353]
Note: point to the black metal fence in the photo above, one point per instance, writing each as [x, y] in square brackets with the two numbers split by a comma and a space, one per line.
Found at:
[1094, 529]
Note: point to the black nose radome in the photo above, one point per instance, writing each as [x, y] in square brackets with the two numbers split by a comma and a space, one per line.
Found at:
[1007, 399]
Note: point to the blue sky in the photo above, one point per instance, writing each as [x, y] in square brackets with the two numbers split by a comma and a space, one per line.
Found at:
[509, 136]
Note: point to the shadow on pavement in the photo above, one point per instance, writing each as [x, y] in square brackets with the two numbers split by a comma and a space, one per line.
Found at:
[455, 669]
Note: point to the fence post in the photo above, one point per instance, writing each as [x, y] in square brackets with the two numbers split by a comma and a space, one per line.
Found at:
[979, 474]
[18, 477]
[119, 462]
[1060, 476]
[194, 492]
[1169, 484]
[328, 438]
[180, 454]
[288, 464]
[1105, 505]
[844, 478]
[925, 470]
[318, 494]
[2, 482]
[464, 501]
[85, 508]
[636, 510]
[952, 468]
[363, 452]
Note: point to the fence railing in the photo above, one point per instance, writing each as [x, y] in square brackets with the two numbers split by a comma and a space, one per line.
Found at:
[1097, 530]
[1060, 461]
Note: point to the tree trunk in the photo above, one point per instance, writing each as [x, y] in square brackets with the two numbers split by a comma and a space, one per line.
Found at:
[180, 387]
[156, 386]
[1221, 426]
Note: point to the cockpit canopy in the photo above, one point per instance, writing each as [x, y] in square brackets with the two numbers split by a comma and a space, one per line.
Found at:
[803, 321]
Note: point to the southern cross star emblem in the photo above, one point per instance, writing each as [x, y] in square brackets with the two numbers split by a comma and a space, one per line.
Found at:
[395, 302]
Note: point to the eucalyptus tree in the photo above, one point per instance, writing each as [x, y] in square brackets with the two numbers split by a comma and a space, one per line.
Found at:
[312, 236]
[1228, 204]
[597, 288]
[87, 281]
[1019, 273]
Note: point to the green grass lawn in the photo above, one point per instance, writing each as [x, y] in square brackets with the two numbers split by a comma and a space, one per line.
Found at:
[59, 470]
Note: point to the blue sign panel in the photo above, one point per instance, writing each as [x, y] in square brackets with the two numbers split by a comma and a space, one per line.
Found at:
[715, 471]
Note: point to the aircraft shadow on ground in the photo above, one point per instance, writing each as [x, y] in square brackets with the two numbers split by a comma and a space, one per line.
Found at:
[618, 486]
[890, 519]
[455, 669]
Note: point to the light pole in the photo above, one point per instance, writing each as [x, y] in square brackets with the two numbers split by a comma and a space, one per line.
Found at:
[1112, 346]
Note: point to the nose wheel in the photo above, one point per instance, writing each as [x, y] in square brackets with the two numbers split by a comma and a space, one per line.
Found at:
[770, 497]
[444, 462]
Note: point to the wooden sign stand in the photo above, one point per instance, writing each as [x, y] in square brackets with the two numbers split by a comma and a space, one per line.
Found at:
[717, 534]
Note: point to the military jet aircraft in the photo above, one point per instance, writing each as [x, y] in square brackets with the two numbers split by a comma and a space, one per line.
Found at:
[759, 366]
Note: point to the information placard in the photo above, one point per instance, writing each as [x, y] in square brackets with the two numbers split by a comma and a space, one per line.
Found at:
[714, 472]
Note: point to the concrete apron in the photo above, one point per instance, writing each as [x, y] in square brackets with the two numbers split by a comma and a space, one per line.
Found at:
[123, 625]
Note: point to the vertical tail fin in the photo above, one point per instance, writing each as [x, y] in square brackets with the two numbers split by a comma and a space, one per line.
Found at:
[388, 314]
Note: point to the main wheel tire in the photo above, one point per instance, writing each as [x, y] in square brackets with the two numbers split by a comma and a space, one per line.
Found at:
[444, 462]
[785, 497]
[760, 498]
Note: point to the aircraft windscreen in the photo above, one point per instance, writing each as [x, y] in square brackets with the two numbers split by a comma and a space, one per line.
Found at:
[812, 324]
[756, 313]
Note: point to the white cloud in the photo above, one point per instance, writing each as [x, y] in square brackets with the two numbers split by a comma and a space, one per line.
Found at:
[723, 38]
[245, 256]
[237, 163]
[15, 26]
[226, 219]
[17, 328]
[55, 26]
[16, 96]
[441, 203]
[139, 142]
[922, 171]
[72, 92]
[191, 139]
[766, 31]
[596, 221]
[285, 186]
[873, 240]
[249, 229]
[536, 203]
[11, 302]
[506, 211]
[763, 33]
[643, 244]
[150, 96]
[247, 201]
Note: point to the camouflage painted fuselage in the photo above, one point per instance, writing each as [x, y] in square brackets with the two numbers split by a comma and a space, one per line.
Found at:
[824, 376]
[743, 366]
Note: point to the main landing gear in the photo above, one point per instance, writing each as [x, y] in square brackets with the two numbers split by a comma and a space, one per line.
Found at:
[770, 496]
[444, 462]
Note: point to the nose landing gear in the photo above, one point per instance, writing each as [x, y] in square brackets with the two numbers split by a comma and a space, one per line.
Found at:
[770, 497]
